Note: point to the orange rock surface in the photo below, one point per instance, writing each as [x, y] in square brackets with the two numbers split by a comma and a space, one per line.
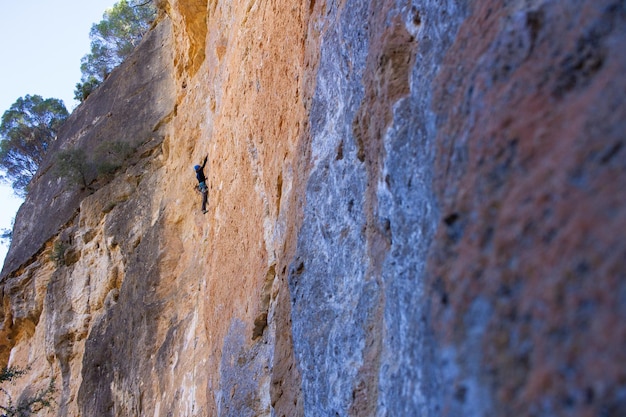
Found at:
[414, 209]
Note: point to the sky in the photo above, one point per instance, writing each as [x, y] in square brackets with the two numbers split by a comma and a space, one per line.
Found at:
[41, 44]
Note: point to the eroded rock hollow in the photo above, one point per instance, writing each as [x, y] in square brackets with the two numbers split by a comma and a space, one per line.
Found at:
[416, 208]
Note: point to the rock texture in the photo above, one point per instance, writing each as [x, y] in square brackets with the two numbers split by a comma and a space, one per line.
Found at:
[414, 209]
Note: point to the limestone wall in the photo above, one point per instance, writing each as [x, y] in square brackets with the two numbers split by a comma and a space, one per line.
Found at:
[414, 209]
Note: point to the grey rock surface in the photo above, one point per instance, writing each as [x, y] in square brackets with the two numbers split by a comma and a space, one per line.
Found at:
[128, 107]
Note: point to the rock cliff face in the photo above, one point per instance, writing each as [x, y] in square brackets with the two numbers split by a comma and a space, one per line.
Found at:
[415, 208]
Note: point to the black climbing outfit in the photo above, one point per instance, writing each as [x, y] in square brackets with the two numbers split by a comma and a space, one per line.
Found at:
[202, 184]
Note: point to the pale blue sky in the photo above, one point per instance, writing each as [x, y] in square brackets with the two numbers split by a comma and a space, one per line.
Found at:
[41, 44]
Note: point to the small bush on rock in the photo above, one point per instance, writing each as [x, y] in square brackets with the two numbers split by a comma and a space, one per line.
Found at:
[57, 255]
[81, 170]
[27, 404]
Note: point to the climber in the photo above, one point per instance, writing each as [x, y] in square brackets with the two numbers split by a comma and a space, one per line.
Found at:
[202, 187]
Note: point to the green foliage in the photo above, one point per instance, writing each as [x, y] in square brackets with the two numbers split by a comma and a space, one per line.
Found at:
[27, 404]
[27, 130]
[73, 165]
[111, 156]
[112, 41]
[57, 255]
[85, 88]
[11, 373]
[81, 170]
[6, 235]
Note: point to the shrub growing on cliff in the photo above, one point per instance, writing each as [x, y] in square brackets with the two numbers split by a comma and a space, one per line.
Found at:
[27, 404]
[73, 165]
[27, 130]
[85, 88]
[110, 157]
[57, 254]
[112, 41]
